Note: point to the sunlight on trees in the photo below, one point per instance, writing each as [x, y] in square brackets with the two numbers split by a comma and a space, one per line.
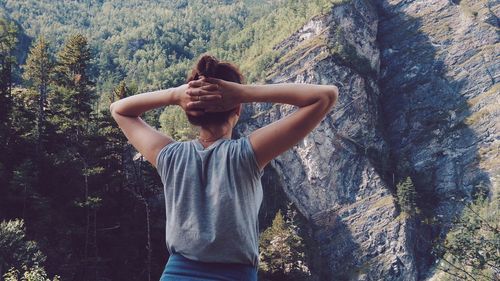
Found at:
[282, 250]
[471, 249]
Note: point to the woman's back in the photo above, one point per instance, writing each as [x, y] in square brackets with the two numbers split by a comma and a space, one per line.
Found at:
[212, 200]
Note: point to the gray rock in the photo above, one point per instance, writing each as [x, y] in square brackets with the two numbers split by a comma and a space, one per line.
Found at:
[333, 175]
[441, 103]
[419, 98]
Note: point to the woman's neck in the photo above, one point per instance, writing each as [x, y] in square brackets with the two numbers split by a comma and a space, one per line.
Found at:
[210, 134]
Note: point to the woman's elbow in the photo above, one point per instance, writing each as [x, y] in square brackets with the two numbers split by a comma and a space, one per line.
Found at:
[334, 94]
[331, 96]
[112, 109]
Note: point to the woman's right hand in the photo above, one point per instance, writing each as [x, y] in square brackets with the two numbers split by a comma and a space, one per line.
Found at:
[183, 99]
[203, 91]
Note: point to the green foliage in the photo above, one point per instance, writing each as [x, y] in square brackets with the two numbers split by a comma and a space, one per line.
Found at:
[8, 42]
[174, 123]
[407, 197]
[38, 72]
[91, 202]
[38, 67]
[282, 254]
[15, 250]
[73, 95]
[35, 273]
[23, 114]
[8, 32]
[157, 46]
[254, 47]
[471, 248]
[154, 47]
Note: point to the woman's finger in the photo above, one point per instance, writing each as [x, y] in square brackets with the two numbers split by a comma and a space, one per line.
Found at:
[206, 98]
[210, 87]
[198, 92]
[203, 91]
[212, 80]
[197, 83]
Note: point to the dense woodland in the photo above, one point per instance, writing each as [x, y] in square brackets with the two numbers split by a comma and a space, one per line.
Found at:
[76, 200]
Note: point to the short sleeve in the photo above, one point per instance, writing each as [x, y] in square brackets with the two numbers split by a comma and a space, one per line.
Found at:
[162, 159]
[248, 157]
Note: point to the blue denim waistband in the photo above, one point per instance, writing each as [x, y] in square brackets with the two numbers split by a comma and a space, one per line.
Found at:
[180, 268]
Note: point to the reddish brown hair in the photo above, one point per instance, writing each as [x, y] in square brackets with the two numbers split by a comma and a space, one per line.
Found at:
[209, 66]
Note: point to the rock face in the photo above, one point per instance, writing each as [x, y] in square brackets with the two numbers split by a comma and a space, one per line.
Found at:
[441, 104]
[418, 97]
[334, 175]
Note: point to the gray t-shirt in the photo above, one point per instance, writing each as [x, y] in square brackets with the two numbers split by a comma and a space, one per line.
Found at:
[212, 200]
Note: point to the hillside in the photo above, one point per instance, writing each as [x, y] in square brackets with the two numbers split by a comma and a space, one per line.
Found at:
[419, 101]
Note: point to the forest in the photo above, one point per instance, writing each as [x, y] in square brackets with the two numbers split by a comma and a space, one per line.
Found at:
[77, 202]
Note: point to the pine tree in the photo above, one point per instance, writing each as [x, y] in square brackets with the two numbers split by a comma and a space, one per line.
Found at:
[8, 42]
[23, 172]
[407, 196]
[37, 72]
[35, 273]
[15, 250]
[471, 249]
[74, 93]
[282, 254]
[71, 110]
[111, 154]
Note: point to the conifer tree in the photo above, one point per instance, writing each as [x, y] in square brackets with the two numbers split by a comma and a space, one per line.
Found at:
[15, 250]
[74, 94]
[471, 249]
[37, 72]
[8, 41]
[282, 254]
[111, 155]
[407, 196]
[71, 113]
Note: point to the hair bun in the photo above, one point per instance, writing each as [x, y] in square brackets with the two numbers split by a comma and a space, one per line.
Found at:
[207, 66]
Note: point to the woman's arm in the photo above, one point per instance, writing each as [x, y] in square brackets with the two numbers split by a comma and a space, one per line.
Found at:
[290, 93]
[314, 102]
[143, 137]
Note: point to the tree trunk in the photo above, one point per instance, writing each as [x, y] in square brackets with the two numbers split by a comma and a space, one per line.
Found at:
[148, 244]
[87, 220]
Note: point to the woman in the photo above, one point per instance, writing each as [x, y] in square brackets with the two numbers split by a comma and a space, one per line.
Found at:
[212, 184]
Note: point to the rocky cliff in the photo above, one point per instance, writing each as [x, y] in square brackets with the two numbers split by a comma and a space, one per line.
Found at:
[439, 71]
[418, 98]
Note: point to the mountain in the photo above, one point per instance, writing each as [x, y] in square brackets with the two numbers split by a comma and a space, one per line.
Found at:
[419, 98]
